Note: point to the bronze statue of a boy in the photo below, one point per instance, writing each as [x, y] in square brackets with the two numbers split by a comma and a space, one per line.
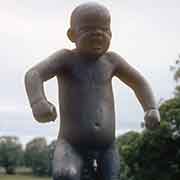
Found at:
[87, 130]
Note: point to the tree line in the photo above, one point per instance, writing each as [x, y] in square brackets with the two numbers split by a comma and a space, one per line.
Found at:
[146, 155]
[36, 155]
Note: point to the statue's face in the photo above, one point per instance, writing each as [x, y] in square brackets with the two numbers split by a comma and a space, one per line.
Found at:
[93, 35]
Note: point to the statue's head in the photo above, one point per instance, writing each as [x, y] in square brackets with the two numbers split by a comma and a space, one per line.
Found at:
[90, 29]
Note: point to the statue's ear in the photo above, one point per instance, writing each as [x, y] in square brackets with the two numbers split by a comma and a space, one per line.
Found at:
[71, 35]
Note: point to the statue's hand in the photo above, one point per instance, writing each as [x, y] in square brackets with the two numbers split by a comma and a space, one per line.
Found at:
[152, 119]
[44, 111]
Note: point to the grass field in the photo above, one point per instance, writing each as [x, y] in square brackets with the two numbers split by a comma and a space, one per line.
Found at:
[22, 173]
[22, 177]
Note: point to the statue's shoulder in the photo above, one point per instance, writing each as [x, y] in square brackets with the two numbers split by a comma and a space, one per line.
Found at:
[63, 53]
[113, 57]
[61, 57]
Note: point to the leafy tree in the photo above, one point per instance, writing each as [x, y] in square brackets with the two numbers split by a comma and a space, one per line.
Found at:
[36, 156]
[150, 155]
[156, 157]
[128, 146]
[176, 69]
[10, 153]
[170, 114]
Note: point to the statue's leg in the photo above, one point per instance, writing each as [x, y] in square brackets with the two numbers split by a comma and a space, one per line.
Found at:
[109, 164]
[67, 163]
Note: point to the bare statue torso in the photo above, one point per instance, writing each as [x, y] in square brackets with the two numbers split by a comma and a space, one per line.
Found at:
[86, 100]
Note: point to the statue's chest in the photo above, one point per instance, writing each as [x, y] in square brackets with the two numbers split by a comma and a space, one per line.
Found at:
[91, 73]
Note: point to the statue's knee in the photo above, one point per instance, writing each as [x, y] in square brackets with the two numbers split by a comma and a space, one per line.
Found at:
[66, 174]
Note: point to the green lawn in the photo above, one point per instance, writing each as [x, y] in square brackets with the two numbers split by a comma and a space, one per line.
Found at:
[22, 177]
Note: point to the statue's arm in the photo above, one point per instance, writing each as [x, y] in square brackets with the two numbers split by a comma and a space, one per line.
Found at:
[43, 110]
[141, 88]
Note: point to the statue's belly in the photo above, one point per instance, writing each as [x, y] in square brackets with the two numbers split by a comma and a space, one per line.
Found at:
[87, 112]
[88, 131]
[90, 121]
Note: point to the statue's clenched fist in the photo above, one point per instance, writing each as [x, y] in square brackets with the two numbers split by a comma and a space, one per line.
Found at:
[152, 119]
[44, 111]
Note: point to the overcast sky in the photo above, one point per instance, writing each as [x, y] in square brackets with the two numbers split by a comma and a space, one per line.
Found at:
[145, 32]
